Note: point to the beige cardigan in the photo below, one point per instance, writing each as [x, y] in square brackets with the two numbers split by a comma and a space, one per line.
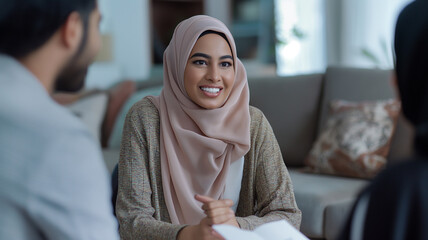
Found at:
[266, 190]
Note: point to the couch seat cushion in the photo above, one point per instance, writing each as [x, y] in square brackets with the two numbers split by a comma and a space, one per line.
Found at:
[111, 158]
[315, 193]
[336, 216]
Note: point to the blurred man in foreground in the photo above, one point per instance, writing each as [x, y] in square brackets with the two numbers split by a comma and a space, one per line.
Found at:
[53, 182]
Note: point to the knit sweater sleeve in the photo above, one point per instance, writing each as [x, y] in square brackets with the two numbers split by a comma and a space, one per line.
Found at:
[134, 208]
[267, 193]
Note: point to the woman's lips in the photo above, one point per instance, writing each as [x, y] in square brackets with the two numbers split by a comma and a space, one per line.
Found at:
[211, 91]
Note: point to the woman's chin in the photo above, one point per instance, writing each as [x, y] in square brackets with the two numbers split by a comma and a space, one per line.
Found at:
[210, 105]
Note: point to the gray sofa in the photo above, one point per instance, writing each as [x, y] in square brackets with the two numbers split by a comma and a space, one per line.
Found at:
[296, 107]
[297, 110]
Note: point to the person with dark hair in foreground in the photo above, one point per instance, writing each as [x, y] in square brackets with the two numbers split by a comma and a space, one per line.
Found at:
[395, 205]
[53, 182]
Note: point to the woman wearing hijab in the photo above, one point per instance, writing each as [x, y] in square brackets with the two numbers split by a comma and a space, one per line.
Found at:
[395, 205]
[198, 154]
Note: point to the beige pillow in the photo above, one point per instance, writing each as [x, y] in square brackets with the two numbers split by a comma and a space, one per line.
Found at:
[356, 140]
[91, 110]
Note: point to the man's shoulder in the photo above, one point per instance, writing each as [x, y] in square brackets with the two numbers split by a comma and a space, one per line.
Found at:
[36, 124]
[40, 117]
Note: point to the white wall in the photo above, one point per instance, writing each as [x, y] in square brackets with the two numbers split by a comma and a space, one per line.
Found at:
[220, 9]
[297, 56]
[339, 36]
[127, 22]
[368, 24]
[332, 12]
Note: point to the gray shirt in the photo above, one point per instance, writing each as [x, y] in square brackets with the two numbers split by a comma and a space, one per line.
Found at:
[53, 182]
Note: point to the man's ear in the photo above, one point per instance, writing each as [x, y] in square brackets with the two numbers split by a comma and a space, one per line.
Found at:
[72, 31]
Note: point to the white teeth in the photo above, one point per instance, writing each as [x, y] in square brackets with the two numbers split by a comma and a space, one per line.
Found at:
[211, 90]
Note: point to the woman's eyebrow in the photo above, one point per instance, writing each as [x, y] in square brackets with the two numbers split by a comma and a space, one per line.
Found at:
[226, 56]
[201, 55]
[198, 54]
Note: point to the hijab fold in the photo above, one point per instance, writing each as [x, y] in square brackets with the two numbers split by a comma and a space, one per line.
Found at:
[198, 145]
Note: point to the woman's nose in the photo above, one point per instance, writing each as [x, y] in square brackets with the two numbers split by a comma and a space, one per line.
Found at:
[213, 74]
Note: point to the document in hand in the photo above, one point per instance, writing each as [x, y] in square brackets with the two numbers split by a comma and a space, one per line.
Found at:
[279, 230]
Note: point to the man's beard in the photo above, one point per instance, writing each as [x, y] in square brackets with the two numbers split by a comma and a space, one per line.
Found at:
[71, 78]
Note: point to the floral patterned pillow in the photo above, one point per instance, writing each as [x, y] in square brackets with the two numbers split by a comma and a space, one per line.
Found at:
[356, 140]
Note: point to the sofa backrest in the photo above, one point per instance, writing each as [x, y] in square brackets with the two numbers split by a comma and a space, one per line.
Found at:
[355, 84]
[291, 106]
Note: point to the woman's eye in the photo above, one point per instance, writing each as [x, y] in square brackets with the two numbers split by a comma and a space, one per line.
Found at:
[199, 62]
[225, 64]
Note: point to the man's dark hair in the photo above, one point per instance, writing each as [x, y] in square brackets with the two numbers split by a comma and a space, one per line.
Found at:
[25, 25]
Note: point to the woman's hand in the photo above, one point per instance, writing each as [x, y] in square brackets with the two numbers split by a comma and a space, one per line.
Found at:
[217, 212]
[202, 231]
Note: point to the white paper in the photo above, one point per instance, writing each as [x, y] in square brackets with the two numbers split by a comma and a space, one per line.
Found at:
[279, 230]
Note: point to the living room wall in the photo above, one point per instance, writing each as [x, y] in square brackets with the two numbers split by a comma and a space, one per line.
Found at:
[126, 24]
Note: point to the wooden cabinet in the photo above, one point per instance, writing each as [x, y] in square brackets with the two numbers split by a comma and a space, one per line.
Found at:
[251, 23]
[165, 15]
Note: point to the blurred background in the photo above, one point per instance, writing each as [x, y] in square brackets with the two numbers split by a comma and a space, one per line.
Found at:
[273, 37]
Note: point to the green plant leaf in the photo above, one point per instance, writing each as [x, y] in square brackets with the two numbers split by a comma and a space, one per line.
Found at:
[369, 55]
[299, 34]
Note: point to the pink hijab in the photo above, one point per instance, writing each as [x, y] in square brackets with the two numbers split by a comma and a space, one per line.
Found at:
[198, 145]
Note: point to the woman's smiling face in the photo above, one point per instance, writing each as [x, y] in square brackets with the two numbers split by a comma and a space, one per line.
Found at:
[209, 74]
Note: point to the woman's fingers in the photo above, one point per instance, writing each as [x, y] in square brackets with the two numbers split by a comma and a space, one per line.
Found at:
[202, 231]
[209, 203]
[218, 212]
[218, 220]
[203, 199]
[217, 235]
[224, 203]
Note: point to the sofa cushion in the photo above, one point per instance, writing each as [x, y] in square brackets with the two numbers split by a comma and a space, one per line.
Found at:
[91, 110]
[291, 106]
[355, 84]
[118, 95]
[356, 140]
[336, 216]
[111, 158]
[314, 193]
